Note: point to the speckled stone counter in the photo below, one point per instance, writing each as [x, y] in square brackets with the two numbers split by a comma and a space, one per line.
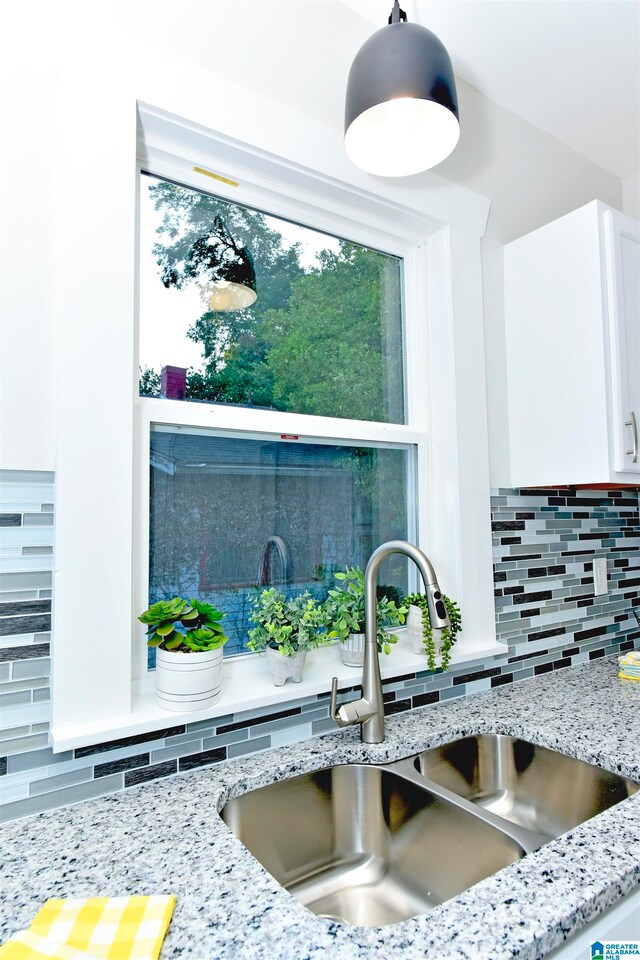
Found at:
[167, 837]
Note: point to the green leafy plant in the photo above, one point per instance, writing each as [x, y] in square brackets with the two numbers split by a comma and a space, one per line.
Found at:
[184, 626]
[286, 625]
[344, 610]
[449, 634]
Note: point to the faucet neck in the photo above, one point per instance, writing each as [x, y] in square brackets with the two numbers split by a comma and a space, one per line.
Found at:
[369, 710]
[423, 564]
[373, 728]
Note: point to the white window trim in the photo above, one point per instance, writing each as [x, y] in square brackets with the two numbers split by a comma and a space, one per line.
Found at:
[97, 698]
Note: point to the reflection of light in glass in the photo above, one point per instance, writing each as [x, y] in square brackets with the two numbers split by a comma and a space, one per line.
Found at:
[225, 295]
[167, 314]
[232, 283]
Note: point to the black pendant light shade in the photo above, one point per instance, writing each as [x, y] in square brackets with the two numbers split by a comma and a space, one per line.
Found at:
[401, 111]
[233, 278]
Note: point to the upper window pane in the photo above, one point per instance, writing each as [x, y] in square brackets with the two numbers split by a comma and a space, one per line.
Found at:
[322, 336]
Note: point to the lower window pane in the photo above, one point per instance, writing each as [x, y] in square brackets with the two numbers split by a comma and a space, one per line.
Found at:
[229, 516]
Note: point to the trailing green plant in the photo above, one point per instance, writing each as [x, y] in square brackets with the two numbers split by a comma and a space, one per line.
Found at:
[449, 634]
[184, 626]
[344, 610]
[286, 624]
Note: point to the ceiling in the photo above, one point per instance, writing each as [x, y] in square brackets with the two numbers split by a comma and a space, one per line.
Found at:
[569, 67]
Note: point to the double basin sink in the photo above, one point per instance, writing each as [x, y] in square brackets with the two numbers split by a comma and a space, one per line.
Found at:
[374, 845]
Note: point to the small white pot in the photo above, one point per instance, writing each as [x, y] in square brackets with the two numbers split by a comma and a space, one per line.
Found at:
[352, 650]
[285, 668]
[188, 681]
[414, 626]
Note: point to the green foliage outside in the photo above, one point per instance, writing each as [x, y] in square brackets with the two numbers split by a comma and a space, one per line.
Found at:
[316, 341]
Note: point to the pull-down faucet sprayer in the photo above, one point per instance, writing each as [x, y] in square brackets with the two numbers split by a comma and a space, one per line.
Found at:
[369, 710]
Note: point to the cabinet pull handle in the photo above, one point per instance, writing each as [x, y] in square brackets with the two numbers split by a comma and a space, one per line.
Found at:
[632, 422]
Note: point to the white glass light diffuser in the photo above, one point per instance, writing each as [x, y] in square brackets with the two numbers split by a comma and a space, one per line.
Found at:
[401, 137]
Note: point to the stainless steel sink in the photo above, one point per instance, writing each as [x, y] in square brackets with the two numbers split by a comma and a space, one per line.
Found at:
[536, 788]
[373, 845]
[363, 845]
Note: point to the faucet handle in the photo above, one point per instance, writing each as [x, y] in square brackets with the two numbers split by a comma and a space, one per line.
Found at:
[333, 713]
[355, 711]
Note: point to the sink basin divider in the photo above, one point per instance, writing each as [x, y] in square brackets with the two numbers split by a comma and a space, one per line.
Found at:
[529, 840]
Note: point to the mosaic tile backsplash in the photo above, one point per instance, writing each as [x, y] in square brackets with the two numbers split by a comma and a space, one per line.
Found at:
[546, 614]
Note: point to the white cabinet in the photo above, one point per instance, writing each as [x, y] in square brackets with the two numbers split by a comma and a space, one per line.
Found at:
[572, 313]
[622, 244]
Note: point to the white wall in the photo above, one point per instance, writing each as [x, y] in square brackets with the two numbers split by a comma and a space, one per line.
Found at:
[631, 196]
[27, 281]
[529, 177]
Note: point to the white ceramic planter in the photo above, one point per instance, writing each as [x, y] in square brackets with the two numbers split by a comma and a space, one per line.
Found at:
[352, 650]
[414, 626]
[285, 668]
[188, 681]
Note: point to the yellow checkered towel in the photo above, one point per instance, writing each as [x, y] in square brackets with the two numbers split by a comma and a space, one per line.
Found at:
[30, 946]
[106, 928]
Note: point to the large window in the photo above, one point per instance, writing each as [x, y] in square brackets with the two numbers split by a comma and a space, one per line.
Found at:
[250, 316]
[103, 482]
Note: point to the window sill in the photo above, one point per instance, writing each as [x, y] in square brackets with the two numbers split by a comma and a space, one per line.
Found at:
[247, 686]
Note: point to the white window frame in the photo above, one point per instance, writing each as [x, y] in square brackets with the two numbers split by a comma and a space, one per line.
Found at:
[238, 421]
[102, 461]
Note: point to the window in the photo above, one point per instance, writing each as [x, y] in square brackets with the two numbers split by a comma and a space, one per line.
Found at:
[320, 335]
[101, 686]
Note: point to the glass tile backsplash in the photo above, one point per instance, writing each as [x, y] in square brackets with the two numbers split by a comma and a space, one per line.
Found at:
[546, 613]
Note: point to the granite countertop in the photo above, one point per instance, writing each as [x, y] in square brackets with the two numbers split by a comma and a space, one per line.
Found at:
[166, 837]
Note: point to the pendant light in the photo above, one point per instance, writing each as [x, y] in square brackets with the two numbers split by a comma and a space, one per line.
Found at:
[233, 278]
[401, 111]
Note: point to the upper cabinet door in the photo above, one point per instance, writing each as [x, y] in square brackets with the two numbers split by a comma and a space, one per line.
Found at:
[622, 239]
[572, 322]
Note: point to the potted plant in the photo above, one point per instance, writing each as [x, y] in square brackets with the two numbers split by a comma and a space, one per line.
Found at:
[344, 613]
[188, 638]
[286, 629]
[426, 640]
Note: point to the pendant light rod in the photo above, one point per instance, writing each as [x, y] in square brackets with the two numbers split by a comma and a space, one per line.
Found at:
[397, 14]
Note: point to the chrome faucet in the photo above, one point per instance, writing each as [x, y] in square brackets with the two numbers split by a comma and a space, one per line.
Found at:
[369, 710]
